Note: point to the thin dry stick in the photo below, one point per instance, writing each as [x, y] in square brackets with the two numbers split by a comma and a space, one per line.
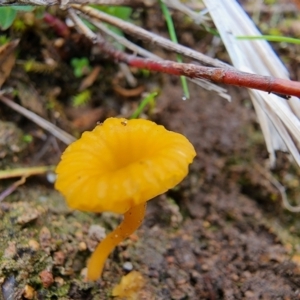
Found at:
[149, 37]
[123, 41]
[131, 3]
[138, 50]
[12, 188]
[81, 27]
[280, 188]
[54, 130]
[65, 3]
[25, 171]
[29, 2]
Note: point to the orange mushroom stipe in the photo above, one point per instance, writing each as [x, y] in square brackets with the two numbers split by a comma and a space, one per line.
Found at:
[118, 167]
[132, 221]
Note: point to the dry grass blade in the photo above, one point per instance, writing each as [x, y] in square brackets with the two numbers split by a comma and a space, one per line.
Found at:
[81, 27]
[21, 172]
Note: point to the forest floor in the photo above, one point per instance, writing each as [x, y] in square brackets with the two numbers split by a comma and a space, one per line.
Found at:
[221, 234]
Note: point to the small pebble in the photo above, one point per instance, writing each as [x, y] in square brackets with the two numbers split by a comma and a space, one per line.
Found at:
[8, 288]
[206, 224]
[10, 251]
[96, 234]
[127, 266]
[170, 259]
[28, 292]
[60, 281]
[246, 274]
[34, 245]
[249, 294]
[59, 258]
[51, 177]
[45, 237]
[134, 237]
[28, 216]
[83, 273]
[59, 42]
[82, 246]
[205, 267]
[234, 277]
[46, 278]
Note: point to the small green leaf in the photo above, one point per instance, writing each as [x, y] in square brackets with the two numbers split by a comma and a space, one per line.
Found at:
[81, 66]
[7, 17]
[8, 14]
[27, 138]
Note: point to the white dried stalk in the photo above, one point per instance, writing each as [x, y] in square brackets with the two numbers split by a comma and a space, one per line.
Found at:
[278, 118]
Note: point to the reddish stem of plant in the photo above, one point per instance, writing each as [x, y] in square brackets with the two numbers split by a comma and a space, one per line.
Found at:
[229, 76]
[219, 75]
[57, 25]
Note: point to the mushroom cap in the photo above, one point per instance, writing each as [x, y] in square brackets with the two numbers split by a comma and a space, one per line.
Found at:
[122, 163]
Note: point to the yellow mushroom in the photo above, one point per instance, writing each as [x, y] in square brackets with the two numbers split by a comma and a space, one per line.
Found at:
[118, 167]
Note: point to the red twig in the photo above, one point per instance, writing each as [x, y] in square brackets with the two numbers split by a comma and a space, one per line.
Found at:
[220, 75]
[229, 76]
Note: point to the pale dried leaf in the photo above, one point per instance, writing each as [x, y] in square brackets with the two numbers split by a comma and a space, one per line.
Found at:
[90, 79]
[7, 60]
[130, 286]
[30, 99]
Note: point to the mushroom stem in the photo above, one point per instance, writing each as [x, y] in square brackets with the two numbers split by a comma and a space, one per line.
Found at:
[132, 220]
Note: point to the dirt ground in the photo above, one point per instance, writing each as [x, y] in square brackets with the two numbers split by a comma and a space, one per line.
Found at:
[221, 234]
